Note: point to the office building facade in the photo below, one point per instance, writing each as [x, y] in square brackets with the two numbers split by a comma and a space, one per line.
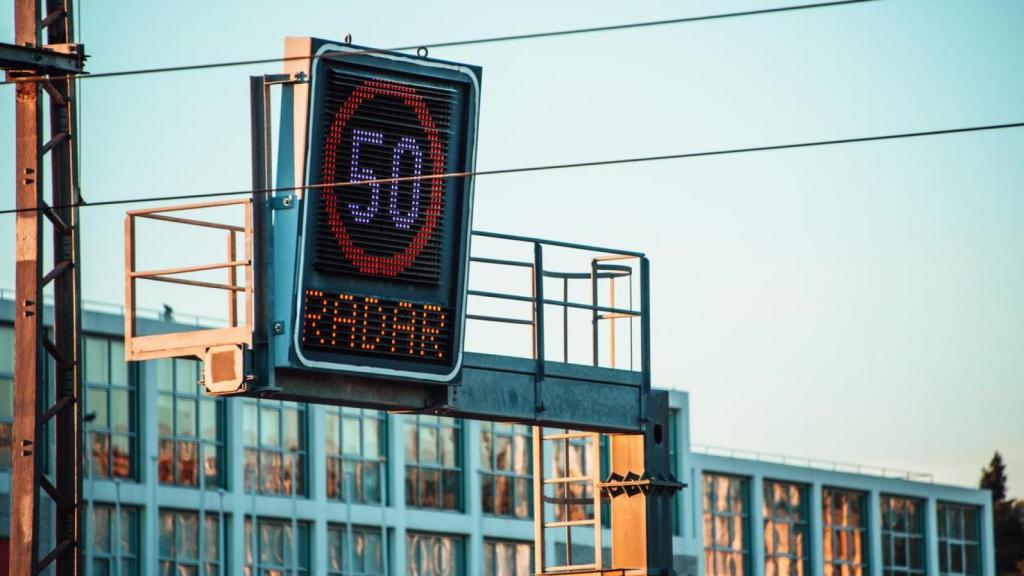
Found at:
[181, 483]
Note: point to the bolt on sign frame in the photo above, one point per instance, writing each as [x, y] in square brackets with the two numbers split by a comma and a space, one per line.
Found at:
[38, 403]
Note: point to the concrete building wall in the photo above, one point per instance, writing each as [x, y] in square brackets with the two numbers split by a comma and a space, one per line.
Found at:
[471, 525]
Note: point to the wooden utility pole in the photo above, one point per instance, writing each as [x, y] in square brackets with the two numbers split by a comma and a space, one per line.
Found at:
[45, 464]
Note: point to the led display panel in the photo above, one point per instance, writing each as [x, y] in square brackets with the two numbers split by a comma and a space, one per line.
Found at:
[386, 228]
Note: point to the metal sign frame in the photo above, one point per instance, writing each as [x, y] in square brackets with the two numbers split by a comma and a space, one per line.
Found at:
[386, 62]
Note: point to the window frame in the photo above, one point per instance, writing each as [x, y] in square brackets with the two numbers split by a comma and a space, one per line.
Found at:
[202, 443]
[343, 530]
[801, 526]
[339, 459]
[199, 563]
[299, 489]
[412, 480]
[491, 569]
[490, 471]
[459, 547]
[710, 515]
[831, 531]
[302, 531]
[890, 535]
[132, 389]
[114, 555]
[947, 541]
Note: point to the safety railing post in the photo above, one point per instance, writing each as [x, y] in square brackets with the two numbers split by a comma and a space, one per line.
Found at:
[538, 315]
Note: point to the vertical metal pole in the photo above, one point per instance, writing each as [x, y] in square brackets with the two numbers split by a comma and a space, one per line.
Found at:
[28, 307]
[595, 483]
[538, 499]
[232, 275]
[593, 318]
[611, 327]
[259, 95]
[565, 320]
[538, 323]
[645, 328]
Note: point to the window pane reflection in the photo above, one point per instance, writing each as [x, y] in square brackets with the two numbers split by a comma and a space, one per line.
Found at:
[433, 472]
[277, 464]
[504, 558]
[844, 542]
[190, 426]
[902, 535]
[505, 464]
[958, 539]
[355, 459]
[433, 555]
[115, 540]
[363, 555]
[179, 550]
[280, 546]
[785, 529]
[110, 395]
[726, 529]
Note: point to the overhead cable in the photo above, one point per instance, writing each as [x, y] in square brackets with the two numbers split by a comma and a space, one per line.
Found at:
[469, 42]
[546, 167]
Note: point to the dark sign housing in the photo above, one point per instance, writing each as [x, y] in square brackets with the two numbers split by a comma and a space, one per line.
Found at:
[385, 229]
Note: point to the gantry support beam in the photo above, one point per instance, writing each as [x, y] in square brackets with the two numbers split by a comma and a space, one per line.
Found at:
[42, 461]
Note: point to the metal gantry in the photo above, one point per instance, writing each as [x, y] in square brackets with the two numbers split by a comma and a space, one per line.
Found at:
[46, 448]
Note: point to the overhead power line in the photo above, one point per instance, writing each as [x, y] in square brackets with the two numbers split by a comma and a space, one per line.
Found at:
[546, 167]
[470, 42]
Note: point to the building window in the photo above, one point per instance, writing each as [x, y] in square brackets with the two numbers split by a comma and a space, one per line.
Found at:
[356, 451]
[190, 424]
[505, 461]
[281, 547]
[785, 529]
[188, 547]
[110, 396]
[6, 395]
[726, 528]
[433, 555]
[361, 554]
[115, 540]
[959, 543]
[503, 558]
[902, 536]
[275, 446]
[844, 543]
[433, 471]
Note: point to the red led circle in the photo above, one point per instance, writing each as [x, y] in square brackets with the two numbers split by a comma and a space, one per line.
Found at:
[398, 262]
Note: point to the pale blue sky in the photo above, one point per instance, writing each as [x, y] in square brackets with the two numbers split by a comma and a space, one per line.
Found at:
[858, 303]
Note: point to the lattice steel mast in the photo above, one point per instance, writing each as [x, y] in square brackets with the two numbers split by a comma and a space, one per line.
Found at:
[42, 396]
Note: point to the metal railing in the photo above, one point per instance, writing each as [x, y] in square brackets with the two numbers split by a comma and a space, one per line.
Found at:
[818, 464]
[192, 343]
[600, 272]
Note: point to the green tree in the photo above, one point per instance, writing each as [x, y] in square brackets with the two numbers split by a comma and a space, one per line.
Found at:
[994, 478]
[1007, 520]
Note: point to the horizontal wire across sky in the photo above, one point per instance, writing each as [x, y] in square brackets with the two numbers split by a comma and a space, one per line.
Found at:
[565, 166]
